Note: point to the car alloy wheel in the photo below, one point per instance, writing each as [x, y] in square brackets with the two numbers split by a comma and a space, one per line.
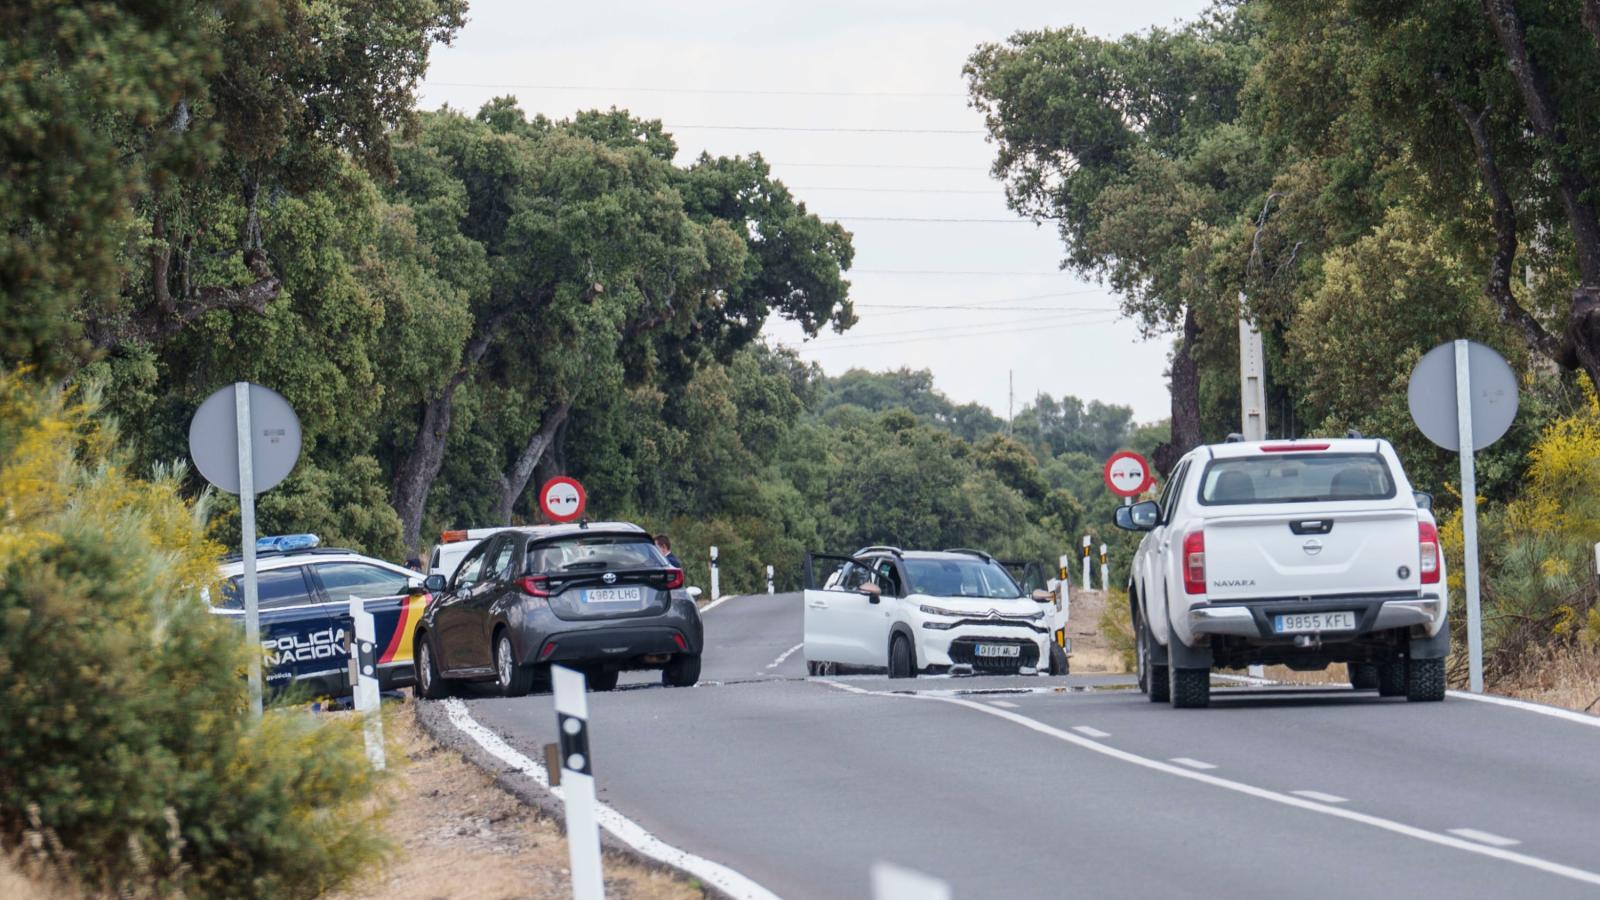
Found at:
[425, 664]
[503, 663]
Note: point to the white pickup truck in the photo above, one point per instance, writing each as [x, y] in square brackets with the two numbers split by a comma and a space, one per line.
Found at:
[1302, 553]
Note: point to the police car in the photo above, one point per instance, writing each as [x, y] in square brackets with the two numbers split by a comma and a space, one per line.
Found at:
[303, 592]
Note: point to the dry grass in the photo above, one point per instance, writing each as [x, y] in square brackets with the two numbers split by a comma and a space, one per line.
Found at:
[1567, 676]
[457, 834]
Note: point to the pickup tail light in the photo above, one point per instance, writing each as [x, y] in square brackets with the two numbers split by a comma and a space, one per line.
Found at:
[535, 585]
[674, 579]
[1194, 563]
[1428, 547]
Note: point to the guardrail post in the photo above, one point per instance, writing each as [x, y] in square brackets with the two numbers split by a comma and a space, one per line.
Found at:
[577, 783]
[716, 582]
[1105, 571]
[770, 588]
[364, 679]
[1088, 584]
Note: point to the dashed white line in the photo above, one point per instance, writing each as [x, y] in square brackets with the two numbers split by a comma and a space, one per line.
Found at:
[1091, 732]
[1191, 763]
[1320, 797]
[625, 829]
[1484, 837]
[784, 655]
[1003, 704]
[1452, 841]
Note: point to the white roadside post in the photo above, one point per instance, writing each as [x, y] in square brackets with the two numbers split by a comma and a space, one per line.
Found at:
[577, 783]
[1485, 389]
[247, 538]
[1088, 583]
[892, 882]
[716, 583]
[770, 588]
[1105, 571]
[364, 679]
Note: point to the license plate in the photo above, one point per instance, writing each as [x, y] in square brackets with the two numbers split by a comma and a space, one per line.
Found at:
[1304, 623]
[999, 650]
[611, 595]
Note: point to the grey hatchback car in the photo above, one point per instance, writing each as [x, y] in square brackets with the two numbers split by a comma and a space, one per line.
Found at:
[595, 597]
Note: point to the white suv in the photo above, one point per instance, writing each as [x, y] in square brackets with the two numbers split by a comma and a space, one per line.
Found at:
[1301, 553]
[914, 611]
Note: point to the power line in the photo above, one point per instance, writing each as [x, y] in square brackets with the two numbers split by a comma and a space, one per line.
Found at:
[1029, 329]
[913, 306]
[951, 330]
[756, 92]
[824, 129]
[925, 220]
[794, 165]
[906, 309]
[878, 190]
[943, 272]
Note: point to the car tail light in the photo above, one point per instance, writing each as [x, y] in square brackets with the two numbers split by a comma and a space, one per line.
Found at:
[1428, 545]
[1291, 448]
[674, 579]
[1194, 562]
[549, 648]
[535, 585]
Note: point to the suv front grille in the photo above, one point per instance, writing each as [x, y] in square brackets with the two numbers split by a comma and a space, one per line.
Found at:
[964, 652]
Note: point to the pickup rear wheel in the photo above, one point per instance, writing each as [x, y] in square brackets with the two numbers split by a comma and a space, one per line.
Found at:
[1392, 679]
[1152, 676]
[1190, 688]
[1363, 676]
[1424, 680]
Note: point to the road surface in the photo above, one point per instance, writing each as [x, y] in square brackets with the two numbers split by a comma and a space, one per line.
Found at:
[1049, 787]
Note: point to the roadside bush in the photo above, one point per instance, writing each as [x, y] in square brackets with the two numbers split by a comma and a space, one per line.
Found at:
[123, 709]
[1116, 626]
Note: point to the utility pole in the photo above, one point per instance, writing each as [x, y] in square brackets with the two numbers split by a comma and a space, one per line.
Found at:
[1252, 379]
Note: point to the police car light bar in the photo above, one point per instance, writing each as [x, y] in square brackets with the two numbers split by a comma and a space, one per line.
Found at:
[287, 542]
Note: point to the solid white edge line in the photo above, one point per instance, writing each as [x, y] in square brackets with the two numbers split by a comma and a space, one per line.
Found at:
[624, 829]
[1003, 704]
[1320, 797]
[1526, 706]
[1473, 834]
[785, 655]
[718, 602]
[1191, 763]
[1421, 834]
[1090, 732]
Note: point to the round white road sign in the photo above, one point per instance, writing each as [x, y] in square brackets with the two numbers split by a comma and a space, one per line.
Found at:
[562, 499]
[274, 438]
[1432, 395]
[1127, 474]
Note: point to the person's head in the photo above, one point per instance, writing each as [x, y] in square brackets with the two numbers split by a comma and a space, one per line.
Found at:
[664, 543]
[414, 563]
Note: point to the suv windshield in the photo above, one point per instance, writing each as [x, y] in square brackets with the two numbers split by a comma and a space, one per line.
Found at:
[1298, 478]
[575, 554]
[961, 578]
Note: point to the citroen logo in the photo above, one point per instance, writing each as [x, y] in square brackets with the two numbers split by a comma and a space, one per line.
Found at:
[1312, 547]
[609, 578]
[994, 614]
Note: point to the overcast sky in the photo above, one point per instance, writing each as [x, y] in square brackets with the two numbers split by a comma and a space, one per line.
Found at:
[796, 81]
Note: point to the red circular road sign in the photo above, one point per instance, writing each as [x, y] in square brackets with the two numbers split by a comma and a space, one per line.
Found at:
[1128, 474]
[562, 499]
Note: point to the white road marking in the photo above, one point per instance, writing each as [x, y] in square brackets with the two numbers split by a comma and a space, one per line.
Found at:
[1540, 708]
[784, 655]
[1412, 831]
[1493, 840]
[623, 828]
[1003, 704]
[1091, 732]
[717, 602]
[1320, 797]
[1191, 763]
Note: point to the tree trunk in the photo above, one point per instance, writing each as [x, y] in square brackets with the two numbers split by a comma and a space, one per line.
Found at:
[515, 480]
[1185, 400]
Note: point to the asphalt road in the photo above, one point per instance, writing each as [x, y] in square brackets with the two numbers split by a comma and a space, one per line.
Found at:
[1050, 787]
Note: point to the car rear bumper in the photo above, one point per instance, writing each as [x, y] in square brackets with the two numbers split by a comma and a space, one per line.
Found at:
[614, 643]
[1374, 613]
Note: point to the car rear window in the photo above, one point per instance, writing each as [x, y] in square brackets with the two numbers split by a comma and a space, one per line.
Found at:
[602, 551]
[1296, 478]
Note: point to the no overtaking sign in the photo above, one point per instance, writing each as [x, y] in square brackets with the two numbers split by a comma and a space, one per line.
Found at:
[1128, 474]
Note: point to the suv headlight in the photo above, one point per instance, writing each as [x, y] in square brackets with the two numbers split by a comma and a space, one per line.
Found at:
[937, 611]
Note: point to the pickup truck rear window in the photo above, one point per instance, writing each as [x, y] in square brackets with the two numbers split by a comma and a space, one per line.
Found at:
[1296, 478]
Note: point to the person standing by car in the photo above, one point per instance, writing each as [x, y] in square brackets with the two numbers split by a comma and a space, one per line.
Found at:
[664, 544]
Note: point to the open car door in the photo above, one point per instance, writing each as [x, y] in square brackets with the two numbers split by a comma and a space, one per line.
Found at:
[1036, 576]
[835, 609]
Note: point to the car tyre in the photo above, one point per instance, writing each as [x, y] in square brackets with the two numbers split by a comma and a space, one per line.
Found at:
[682, 670]
[1059, 663]
[813, 668]
[1363, 676]
[603, 679]
[902, 662]
[1152, 677]
[1424, 680]
[1392, 679]
[430, 684]
[1190, 688]
[514, 680]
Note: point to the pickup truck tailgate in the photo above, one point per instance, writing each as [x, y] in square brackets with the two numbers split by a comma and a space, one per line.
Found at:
[1310, 553]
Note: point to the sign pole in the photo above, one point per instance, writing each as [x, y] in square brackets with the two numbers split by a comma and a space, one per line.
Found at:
[1469, 517]
[577, 783]
[247, 539]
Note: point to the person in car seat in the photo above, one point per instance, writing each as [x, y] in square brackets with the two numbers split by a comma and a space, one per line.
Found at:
[664, 544]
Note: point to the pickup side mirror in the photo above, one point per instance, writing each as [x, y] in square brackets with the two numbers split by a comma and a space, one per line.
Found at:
[1424, 500]
[872, 592]
[1042, 596]
[433, 584]
[1138, 517]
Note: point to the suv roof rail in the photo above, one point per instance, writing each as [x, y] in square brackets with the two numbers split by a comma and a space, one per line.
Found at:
[1233, 438]
[971, 552]
[885, 548]
[309, 551]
